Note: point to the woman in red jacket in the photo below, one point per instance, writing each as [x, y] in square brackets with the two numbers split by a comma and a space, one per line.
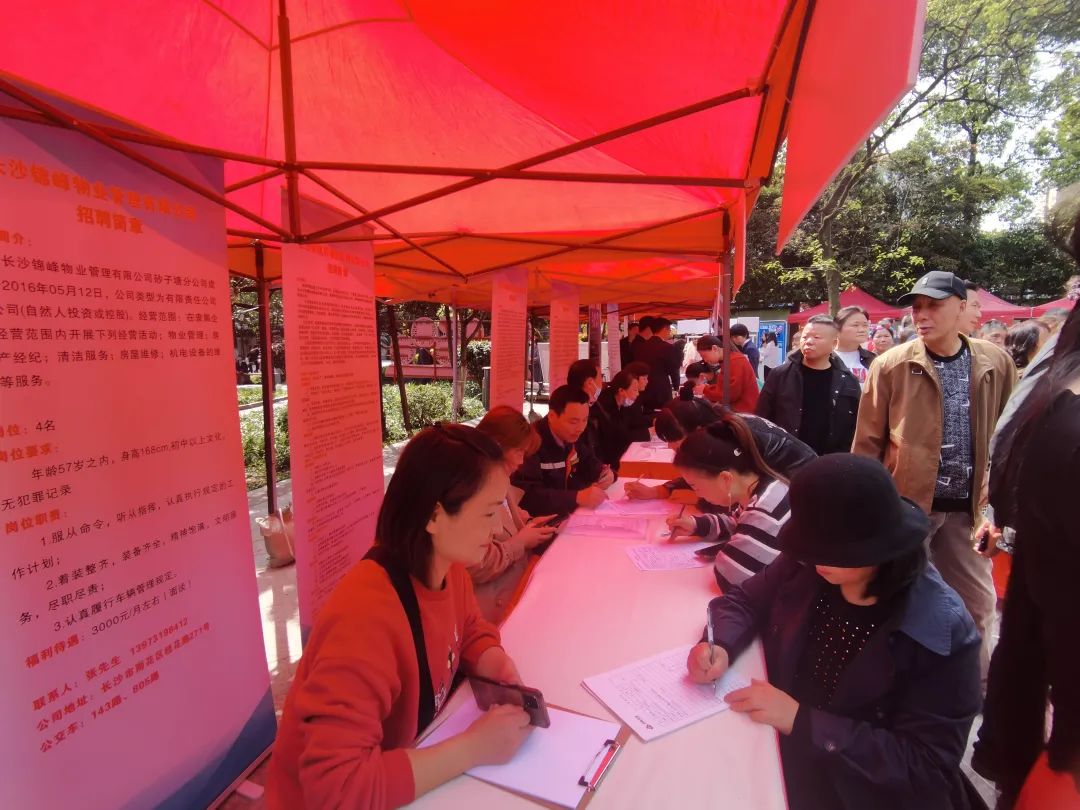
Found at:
[359, 697]
[744, 388]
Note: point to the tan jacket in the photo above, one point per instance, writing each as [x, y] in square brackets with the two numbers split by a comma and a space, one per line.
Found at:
[900, 416]
[496, 577]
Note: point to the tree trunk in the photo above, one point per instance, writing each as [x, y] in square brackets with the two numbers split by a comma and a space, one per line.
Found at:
[396, 354]
[832, 274]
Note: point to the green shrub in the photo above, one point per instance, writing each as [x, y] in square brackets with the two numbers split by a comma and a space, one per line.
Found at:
[477, 355]
[249, 394]
[251, 439]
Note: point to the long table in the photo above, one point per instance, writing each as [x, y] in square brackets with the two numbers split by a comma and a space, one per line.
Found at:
[588, 610]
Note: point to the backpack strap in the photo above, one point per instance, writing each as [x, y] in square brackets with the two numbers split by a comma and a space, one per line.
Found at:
[399, 578]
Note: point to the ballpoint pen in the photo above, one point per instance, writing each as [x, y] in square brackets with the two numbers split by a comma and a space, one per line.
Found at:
[675, 529]
[712, 645]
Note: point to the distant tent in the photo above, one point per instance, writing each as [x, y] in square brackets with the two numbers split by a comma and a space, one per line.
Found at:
[849, 298]
[998, 309]
[1042, 309]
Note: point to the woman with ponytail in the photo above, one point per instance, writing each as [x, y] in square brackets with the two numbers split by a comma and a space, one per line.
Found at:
[679, 418]
[723, 465]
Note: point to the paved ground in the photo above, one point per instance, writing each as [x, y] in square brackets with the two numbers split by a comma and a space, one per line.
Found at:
[281, 624]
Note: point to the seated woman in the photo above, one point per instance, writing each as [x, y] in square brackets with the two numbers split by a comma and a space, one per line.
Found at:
[362, 693]
[723, 465]
[678, 419]
[496, 577]
[873, 661]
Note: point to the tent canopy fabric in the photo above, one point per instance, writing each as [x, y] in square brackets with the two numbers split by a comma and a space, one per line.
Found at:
[1061, 303]
[599, 143]
[851, 297]
[994, 308]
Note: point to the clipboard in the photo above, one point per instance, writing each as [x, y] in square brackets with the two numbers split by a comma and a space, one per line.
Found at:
[590, 781]
[594, 774]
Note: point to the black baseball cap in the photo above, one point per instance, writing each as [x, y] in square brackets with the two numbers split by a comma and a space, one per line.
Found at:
[937, 284]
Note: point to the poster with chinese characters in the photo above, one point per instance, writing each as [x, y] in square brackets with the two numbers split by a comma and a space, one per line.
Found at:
[508, 315]
[133, 669]
[614, 335]
[335, 428]
[564, 331]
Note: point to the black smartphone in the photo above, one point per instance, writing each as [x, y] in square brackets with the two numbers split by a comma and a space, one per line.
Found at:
[489, 693]
[709, 552]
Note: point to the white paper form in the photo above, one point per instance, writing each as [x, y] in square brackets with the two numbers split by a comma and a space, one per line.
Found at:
[619, 527]
[649, 451]
[647, 508]
[667, 556]
[550, 761]
[655, 696]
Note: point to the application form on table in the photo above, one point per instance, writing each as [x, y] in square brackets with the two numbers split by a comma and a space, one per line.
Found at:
[655, 696]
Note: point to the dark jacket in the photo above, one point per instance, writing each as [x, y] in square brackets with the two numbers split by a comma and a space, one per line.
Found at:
[625, 355]
[550, 489]
[1038, 654]
[899, 720]
[662, 360]
[614, 428]
[752, 354]
[781, 401]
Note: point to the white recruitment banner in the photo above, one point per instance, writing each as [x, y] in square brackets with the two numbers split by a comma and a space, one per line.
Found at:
[335, 431]
[134, 672]
[614, 336]
[565, 332]
[508, 315]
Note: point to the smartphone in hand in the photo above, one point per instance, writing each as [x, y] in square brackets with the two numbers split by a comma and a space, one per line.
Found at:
[489, 693]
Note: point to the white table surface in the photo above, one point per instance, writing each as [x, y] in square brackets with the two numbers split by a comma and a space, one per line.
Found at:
[588, 610]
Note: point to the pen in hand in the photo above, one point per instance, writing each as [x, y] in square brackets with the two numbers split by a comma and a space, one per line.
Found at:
[675, 529]
[712, 645]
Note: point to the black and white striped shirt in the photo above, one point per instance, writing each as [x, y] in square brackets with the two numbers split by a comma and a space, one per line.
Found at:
[748, 533]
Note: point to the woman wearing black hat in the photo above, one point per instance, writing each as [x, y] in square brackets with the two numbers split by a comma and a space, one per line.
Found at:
[873, 661]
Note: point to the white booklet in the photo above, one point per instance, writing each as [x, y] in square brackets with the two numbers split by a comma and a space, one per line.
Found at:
[550, 762]
[655, 696]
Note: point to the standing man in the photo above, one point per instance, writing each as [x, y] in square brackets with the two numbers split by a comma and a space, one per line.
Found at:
[740, 336]
[974, 309]
[565, 472]
[813, 395]
[659, 355]
[928, 413]
[625, 353]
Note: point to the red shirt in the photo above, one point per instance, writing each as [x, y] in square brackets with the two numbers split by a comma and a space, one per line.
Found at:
[744, 387]
[351, 710]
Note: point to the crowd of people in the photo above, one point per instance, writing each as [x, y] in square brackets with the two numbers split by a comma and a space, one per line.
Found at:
[854, 506]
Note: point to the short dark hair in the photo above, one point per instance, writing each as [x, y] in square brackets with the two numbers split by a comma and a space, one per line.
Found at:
[659, 324]
[563, 396]
[632, 325]
[739, 330]
[645, 322]
[444, 464]
[823, 320]
[696, 369]
[580, 371]
[679, 418]
[639, 368]
[709, 342]
[846, 313]
[894, 577]
[621, 381]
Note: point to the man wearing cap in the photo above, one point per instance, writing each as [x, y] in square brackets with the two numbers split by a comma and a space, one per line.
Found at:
[928, 412]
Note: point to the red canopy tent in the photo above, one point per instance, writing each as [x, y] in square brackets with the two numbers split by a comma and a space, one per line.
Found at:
[851, 297]
[998, 309]
[618, 151]
[1061, 303]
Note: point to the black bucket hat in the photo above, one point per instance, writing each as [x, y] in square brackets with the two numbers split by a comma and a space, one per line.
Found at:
[846, 513]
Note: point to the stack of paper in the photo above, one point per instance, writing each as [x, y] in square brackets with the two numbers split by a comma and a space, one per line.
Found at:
[550, 761]
[627, 508]
[655, 696]
[620, 527]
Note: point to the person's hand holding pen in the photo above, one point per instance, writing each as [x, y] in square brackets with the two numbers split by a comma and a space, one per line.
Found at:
[680, 525]
[707, 662]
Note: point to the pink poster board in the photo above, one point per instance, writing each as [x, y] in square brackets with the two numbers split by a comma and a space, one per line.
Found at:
[564, 332]
[508, 317]
[335, 431]
[134, 671]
